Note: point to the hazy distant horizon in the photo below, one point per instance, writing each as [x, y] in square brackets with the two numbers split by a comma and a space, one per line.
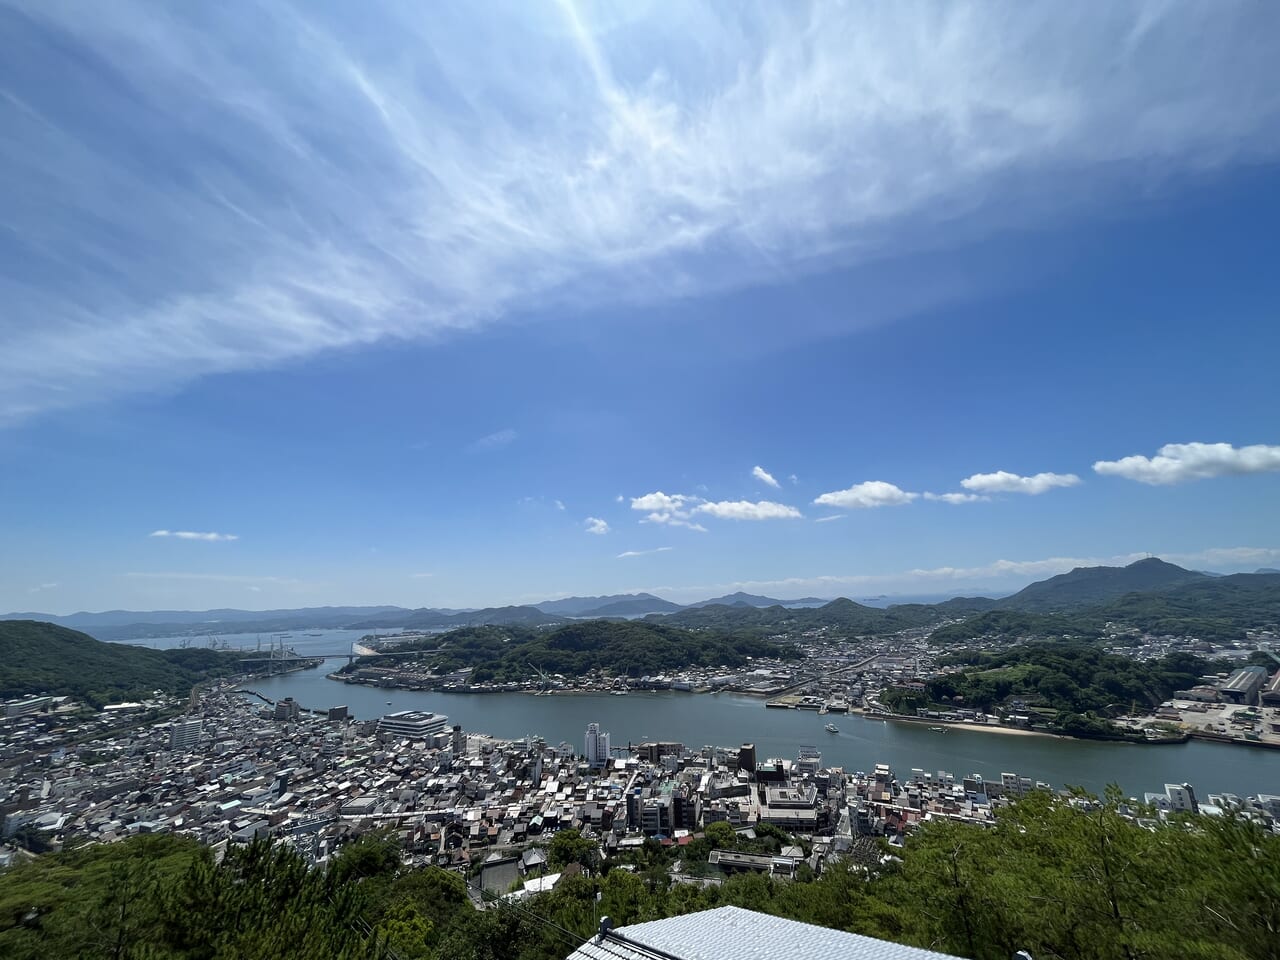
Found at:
[695, 594]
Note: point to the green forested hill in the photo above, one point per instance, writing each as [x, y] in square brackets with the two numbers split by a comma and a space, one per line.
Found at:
[44, 658]
[841, 614]
[1212, 608]
[1016, 624]
[1066, 677]
[630, 648]
[1090, 586]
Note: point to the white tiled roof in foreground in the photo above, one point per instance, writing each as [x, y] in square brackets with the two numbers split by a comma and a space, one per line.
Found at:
[731, 933]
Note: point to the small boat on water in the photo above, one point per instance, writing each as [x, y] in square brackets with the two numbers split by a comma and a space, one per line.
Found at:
[831, 728]
[938, 729]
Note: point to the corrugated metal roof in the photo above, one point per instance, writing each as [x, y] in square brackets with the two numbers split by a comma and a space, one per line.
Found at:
[732, 933]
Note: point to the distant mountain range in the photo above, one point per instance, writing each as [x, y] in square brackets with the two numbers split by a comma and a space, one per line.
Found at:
[429, 619]
[618, 605]
[1144, 588]
[741, 599]
[1086, 586]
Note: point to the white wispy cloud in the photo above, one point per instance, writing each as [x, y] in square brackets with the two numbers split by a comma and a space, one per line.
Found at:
[493, 441]
[194, 535]
[283, 179]
[41, 587]
[1179, 462]
[213, 577]
[828, 519]
[596, 525]
[764, 476]
[420, 576]
[642, 553]
[748, 510]
[1002, 481]
[1229, 557]
[559, 505]
[872, 493]
[955, 497]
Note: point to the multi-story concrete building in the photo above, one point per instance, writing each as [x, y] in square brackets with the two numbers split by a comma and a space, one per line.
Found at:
[596, 746]
[412, 724]
[185, 733]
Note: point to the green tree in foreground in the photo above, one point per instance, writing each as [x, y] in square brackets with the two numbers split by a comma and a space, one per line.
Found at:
[1061, 878]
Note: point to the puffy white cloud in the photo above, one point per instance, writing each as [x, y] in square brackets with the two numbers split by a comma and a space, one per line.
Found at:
[596, 525]
[673, 510]
[872, 493]
[748, 510]
[661, 502]
[194, 535]
[1177, 462]
[1002, 481]
[764, 476]
[955, 497]
[641, 553]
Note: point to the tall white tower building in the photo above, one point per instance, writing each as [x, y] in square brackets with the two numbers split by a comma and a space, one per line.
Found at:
[597, 745]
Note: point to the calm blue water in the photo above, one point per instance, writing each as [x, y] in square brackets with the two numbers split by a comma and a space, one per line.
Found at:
[728, 720]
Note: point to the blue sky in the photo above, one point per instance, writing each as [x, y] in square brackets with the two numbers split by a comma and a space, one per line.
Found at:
[306, 304]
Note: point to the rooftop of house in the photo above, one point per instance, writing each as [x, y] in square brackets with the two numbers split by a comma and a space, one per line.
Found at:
[732, 933]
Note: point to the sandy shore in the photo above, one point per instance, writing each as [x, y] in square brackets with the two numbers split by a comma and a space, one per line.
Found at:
[973, 727]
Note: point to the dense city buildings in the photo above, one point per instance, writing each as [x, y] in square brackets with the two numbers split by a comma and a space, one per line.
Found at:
[236, 768]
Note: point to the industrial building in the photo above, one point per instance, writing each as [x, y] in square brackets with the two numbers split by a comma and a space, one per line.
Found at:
[1271, 693]
[1243, 685]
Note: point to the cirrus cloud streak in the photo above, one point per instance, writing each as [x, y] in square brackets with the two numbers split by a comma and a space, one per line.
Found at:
[194, 535]
[284, 179]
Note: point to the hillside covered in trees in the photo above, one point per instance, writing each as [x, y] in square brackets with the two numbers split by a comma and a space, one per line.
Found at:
[44, 658]
[628, 648]
[1074, 680]
[842, 614]
[1057, 878]
[1212, 608]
